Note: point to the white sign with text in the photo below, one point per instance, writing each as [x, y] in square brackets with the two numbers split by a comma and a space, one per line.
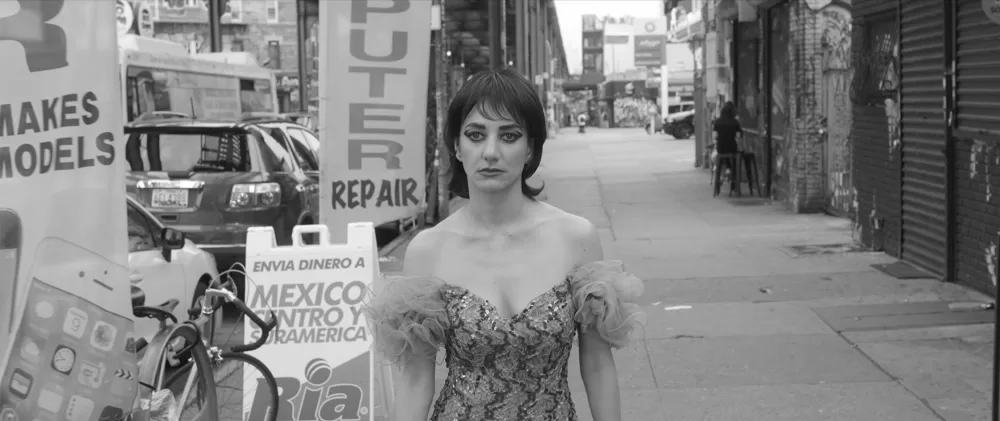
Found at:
[316, 293]
[373, 110]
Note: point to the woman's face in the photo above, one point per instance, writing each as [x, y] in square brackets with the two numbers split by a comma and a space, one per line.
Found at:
[493, 152]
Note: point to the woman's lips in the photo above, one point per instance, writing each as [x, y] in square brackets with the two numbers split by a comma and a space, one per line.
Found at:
[490, 172]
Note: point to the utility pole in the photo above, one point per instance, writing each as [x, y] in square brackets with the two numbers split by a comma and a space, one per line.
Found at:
[302, 31]
[440, 99]
[215, 11]
[497, 17]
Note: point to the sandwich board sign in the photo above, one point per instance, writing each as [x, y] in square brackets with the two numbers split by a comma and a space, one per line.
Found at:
[320, 354]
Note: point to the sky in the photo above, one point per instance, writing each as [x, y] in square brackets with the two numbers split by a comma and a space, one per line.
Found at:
[570, 23]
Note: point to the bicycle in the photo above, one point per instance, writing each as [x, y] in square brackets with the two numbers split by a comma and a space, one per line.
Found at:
[182, 356]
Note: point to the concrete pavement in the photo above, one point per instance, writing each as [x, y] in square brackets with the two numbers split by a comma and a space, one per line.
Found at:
[735, 329]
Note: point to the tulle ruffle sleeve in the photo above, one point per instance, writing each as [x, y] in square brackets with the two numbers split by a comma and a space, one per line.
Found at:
[604, 297]
[407, 317]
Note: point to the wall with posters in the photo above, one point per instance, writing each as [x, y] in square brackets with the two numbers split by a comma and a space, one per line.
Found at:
[65, 304]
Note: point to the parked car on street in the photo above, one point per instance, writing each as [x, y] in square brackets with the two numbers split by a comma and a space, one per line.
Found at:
[302, 142]
[213, 180]
[679, 123]
[309, 120]
[165, 265]
[305, 146]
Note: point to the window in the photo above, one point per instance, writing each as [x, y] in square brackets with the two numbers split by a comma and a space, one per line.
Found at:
[875, 67]
[238, 46]
[593, 42]
[274, 155]
[152, 90]
[272, 11]
[255, 96]
[187, 152]
[307, 156]
[141, 233]
[234, 8]
[589, 60]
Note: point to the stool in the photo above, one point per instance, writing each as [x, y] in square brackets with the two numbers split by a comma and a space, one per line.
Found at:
[731, 160]
[753, 180]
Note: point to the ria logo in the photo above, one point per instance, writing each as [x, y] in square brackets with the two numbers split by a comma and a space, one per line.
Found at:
[320, 398]
[44, 44]
[650, 26]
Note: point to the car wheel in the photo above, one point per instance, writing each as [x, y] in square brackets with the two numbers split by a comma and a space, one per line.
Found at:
[683, 131]
[209, 329]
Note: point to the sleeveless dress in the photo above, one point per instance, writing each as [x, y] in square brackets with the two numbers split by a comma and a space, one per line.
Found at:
[504, 368]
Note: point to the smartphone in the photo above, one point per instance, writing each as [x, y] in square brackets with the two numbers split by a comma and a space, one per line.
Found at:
[10, 257]
[72, 341]
[83, 273]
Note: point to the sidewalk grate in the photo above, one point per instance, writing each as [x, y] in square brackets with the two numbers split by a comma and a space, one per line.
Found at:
[901, 316]
[818, 249]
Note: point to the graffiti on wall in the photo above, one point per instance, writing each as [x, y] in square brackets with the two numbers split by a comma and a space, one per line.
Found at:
[889, 83]
[632, 111]
[782, 47]
[836, 43]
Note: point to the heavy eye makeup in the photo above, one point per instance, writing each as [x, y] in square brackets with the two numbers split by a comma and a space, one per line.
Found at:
[508, 134]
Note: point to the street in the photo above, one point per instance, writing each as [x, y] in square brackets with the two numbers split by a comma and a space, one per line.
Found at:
[744, 323]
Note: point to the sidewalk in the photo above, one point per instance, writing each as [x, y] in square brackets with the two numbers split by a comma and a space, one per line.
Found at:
[744, 325]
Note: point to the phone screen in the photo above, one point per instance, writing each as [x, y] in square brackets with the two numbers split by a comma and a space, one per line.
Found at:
[10, 247]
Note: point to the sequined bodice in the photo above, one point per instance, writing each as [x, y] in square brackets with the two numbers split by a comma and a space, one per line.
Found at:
[507, 368]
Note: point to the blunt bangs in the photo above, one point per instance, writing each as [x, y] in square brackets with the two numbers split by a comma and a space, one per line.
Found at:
[498, 95]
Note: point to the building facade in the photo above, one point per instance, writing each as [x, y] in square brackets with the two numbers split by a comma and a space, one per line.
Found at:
[924, 99]
[267, 28]
[785, 64]
[593, 44]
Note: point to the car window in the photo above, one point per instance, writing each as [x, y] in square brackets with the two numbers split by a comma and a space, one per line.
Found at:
[281, 135]
[674, 109]
[312, 141]
[187, 152]
[274, 155]
[141, 233]
[688, 107]
[306, 156]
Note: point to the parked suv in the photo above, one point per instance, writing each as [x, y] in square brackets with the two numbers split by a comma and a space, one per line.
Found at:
[303, 143]
[679, 122]
[214, 180]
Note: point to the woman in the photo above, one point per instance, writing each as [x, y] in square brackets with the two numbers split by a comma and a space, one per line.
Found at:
[726, 129]
[504, 283]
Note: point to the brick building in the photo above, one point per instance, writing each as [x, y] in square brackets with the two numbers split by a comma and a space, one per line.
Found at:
[267, 28]
[787, 73]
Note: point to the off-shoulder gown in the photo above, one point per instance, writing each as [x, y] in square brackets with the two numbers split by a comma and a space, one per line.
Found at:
[504, 368]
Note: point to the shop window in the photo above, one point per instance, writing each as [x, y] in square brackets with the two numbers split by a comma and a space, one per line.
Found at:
[874, 63]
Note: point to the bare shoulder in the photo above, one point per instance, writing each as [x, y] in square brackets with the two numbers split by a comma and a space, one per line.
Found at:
[579, 232]
[421, 254]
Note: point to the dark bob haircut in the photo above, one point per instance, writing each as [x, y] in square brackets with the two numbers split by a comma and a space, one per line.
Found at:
[496, 94]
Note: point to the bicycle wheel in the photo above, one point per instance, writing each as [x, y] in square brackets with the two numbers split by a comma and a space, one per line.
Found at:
[192, 384]
[242, 381]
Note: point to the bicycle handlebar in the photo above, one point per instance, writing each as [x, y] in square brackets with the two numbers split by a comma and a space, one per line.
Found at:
[265, 327]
